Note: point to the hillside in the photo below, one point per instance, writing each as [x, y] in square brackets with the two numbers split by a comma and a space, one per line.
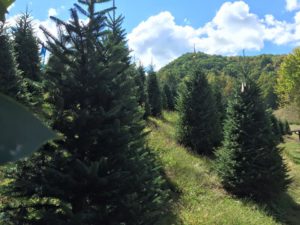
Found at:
[198, 197]
[262, 68]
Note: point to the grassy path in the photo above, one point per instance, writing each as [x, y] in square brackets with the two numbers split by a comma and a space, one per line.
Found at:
[200, 199]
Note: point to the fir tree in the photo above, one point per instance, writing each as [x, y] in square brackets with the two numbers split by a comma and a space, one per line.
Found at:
[147, 108]
[26, 47]
[101, 172]
[154, 94]
[140, 80]
[28, 60]
[142, 95]
[10, 77]
[164, 99]
[198, 126]
[169, 97]
[249, 162]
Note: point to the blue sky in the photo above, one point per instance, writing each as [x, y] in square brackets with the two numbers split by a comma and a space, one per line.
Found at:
[161, 30]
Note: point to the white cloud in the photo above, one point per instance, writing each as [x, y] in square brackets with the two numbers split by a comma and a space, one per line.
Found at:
[159, 39]
[234, 28]
[292, 5]
[52, 12]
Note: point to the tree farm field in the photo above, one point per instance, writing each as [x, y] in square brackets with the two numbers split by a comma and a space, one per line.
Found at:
[198, 197]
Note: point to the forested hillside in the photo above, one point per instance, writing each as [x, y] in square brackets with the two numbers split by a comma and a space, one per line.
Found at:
[262, 68]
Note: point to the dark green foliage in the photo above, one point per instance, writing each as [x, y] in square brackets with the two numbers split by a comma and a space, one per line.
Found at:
[277, 128]
[140, 80]
[287, 129]
[147, 108]
[28, 60]
[198, 126]
[142, 95]
[101, 172]
[250, 163]
[164, 99]
[170, 105]
[10, 79]
[26, 48]
[154, 94]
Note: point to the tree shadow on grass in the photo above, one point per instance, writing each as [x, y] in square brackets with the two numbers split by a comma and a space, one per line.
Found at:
[285, 210]
[170, 216]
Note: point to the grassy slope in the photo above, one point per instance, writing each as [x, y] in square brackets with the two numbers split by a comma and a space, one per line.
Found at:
[290, 205]
[201, 199]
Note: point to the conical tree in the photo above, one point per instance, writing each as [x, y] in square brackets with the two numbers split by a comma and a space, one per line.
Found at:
[10, 77]
[28, 60]
[169, 97]
[140, 80]
[198, 125]
[154, 94]
[249, 162]
[100, 172]
[142, 95]
[26, 47]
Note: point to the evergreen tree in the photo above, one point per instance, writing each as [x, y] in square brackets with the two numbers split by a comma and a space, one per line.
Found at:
[142, 95]
[154, 94]
[100, 172]
[147, 108]
[276, 128]
[198, 125]
[10, 77]
[140, 80]
[26, 47]
[164, 99]
[169, 97]
[28, 60]
[249, 163]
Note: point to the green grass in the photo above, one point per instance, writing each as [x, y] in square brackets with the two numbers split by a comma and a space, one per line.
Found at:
[200, 198]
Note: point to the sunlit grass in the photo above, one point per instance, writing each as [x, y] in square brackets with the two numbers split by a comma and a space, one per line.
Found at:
[200, 198]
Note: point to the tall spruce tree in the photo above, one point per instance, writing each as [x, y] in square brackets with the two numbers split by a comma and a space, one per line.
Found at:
[26, 47]
[198, 125]
[249, 163]
[10, 77]
[28, 60]
[169, 97]
[154, 94]
[100, 172]
[142, 95]
[140, 80]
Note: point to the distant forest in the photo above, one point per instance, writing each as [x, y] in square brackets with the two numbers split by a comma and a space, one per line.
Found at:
[222, 71]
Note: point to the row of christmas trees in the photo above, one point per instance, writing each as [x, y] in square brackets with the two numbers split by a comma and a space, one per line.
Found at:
[101, 170]
[247, 158]
[243, 137]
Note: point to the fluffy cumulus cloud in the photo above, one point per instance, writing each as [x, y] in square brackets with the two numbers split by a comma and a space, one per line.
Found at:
[292, 5]
[159, 39]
